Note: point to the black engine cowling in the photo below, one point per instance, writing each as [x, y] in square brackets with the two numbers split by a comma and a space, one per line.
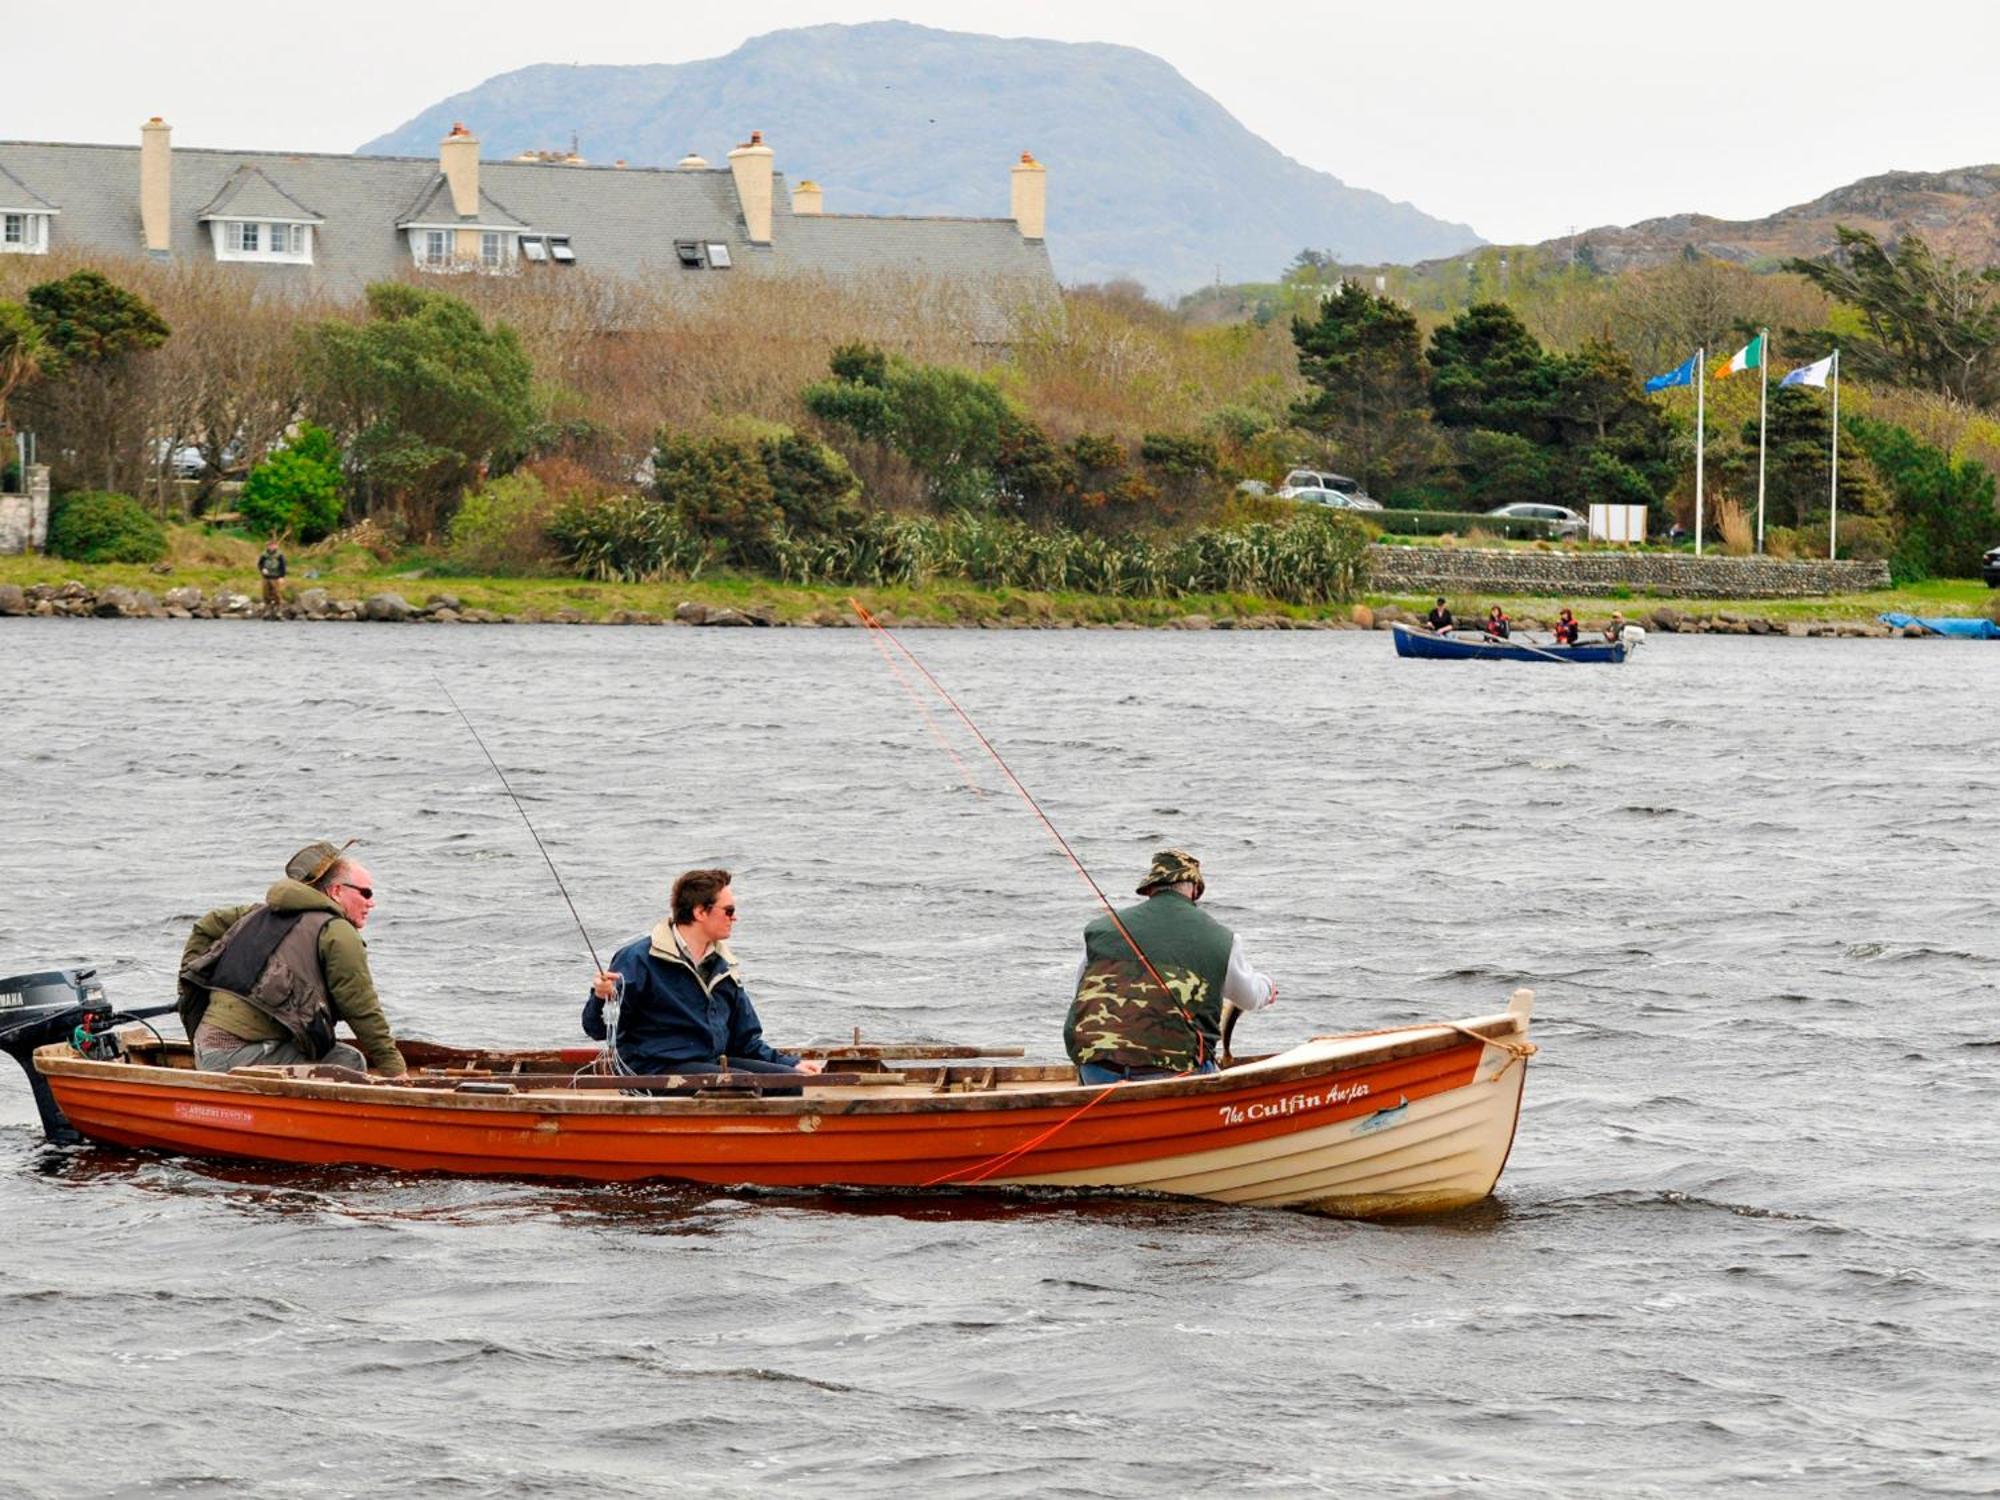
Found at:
[37, 1009]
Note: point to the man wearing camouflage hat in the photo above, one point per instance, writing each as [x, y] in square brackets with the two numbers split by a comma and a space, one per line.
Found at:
[1158, 1012]
[266, 983]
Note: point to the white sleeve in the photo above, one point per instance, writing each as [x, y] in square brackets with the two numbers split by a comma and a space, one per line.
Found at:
[1244, 987]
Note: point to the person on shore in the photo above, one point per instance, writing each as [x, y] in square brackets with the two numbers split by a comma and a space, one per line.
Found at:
[267, 983]
[1497, 624]
[271, 568]
[1439, 619]
[1614, 630]
[683, 1008]
[1566, 629]
[1122, 1023]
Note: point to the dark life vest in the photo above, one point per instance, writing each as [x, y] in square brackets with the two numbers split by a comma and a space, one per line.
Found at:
[1122, 1017]
[271, 959]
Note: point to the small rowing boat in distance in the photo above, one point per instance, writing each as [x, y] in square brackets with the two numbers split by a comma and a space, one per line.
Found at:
[1412, 640]
[1414, 1119]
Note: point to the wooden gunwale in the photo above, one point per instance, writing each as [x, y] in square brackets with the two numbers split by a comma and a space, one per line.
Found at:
[57, 1061]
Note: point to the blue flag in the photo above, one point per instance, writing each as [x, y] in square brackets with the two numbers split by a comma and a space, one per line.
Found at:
[1683, 376]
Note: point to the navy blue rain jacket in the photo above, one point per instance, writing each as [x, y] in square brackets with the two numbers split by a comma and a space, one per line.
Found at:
[673, 1017]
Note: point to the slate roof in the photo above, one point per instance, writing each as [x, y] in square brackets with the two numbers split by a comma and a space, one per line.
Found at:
[17, 197]
[249, 194]
[434, 206]
[619, 221]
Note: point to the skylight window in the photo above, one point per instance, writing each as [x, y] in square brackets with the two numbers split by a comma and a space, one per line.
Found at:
[689, 252]
[533, 248]
[718, 256]
[559, 249]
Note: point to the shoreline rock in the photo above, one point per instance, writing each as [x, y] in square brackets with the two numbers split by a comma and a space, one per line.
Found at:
[317, 604]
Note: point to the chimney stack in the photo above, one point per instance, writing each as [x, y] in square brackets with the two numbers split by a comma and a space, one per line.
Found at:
[156, 185]
[806, 197]
[458, 159]
[751, 164]
[1031, 197]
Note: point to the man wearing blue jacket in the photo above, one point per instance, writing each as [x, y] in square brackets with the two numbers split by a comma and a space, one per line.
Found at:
[682, 1008]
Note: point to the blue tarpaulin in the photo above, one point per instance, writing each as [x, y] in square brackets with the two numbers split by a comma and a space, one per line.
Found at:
[1968, 630]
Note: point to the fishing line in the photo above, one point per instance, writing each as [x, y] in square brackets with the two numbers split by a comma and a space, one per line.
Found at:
[524, 818]
[930, 720]
[1201, 1044]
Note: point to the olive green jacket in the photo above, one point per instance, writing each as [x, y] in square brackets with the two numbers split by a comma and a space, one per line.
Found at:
[343, 958]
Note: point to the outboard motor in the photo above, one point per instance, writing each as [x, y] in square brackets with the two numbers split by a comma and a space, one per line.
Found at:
[37, 1009]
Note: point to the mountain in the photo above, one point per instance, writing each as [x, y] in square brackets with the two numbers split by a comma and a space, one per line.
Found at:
[1148, 176]
[1956, 213]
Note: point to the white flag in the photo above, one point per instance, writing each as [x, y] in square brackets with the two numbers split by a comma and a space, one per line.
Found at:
[1813, 374]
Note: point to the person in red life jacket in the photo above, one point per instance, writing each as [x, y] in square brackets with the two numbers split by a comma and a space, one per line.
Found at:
[1439, 619]
[684, 1008]
[1566, 629]
[1497, 624]
[1122, 1024]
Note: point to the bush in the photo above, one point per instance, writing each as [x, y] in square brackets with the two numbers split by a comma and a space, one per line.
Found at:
[502, 527]
[1460, 523]
[296, 489]
[95, 527]
[630, 538]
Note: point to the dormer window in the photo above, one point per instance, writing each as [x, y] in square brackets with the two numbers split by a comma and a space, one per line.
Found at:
[262, 240]
[24, 233]
[492, 250]
[433, 248]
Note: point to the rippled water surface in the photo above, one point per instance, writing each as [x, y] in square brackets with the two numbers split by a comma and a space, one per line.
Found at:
[1748, 1241]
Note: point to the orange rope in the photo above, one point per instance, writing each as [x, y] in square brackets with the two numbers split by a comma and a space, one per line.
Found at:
[1200, 1045]
[982, 1170]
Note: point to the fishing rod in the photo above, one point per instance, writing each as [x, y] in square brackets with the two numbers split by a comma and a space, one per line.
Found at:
[524, 818]
[1201, 1046]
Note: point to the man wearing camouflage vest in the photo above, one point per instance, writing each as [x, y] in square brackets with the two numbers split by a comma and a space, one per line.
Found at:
[266, 983]
[1160, 1014]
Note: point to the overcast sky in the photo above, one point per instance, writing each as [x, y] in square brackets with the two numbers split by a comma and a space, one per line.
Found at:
[1523, 119]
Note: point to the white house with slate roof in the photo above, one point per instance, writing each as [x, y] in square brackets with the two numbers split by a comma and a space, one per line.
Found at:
[337, 223]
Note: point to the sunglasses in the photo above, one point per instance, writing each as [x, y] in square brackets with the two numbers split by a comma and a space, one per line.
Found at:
[727, 911]
[365, 892]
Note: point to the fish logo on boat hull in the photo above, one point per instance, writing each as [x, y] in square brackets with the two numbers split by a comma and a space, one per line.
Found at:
[1383, 1118]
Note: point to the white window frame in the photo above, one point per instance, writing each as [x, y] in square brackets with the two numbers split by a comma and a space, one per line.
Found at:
[492, 250]
[32, 227]
[283, 241]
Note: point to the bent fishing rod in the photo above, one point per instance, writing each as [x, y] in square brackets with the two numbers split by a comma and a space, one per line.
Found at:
[587, 943]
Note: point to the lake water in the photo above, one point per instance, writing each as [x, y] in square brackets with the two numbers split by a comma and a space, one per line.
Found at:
[1748, 1241]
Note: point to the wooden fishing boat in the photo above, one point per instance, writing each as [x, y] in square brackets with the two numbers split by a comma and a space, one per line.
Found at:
[1414, 641]
[1411, 1120]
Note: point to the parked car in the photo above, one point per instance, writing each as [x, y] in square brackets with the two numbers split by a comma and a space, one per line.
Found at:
[1320, 479]
[1252, 487]
[1562, 521]
[1991, 572]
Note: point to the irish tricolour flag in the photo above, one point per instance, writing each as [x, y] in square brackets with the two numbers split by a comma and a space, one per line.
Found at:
[1749, 357]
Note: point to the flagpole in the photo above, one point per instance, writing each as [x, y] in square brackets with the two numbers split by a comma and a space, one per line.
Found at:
[1763, 393]
[1700, 424]
[1833, 494]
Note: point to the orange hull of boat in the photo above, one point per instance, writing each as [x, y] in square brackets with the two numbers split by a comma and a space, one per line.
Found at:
[801, 1142]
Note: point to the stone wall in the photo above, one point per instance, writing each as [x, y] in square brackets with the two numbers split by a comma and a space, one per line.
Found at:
[24, 519]
[1558, 574]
